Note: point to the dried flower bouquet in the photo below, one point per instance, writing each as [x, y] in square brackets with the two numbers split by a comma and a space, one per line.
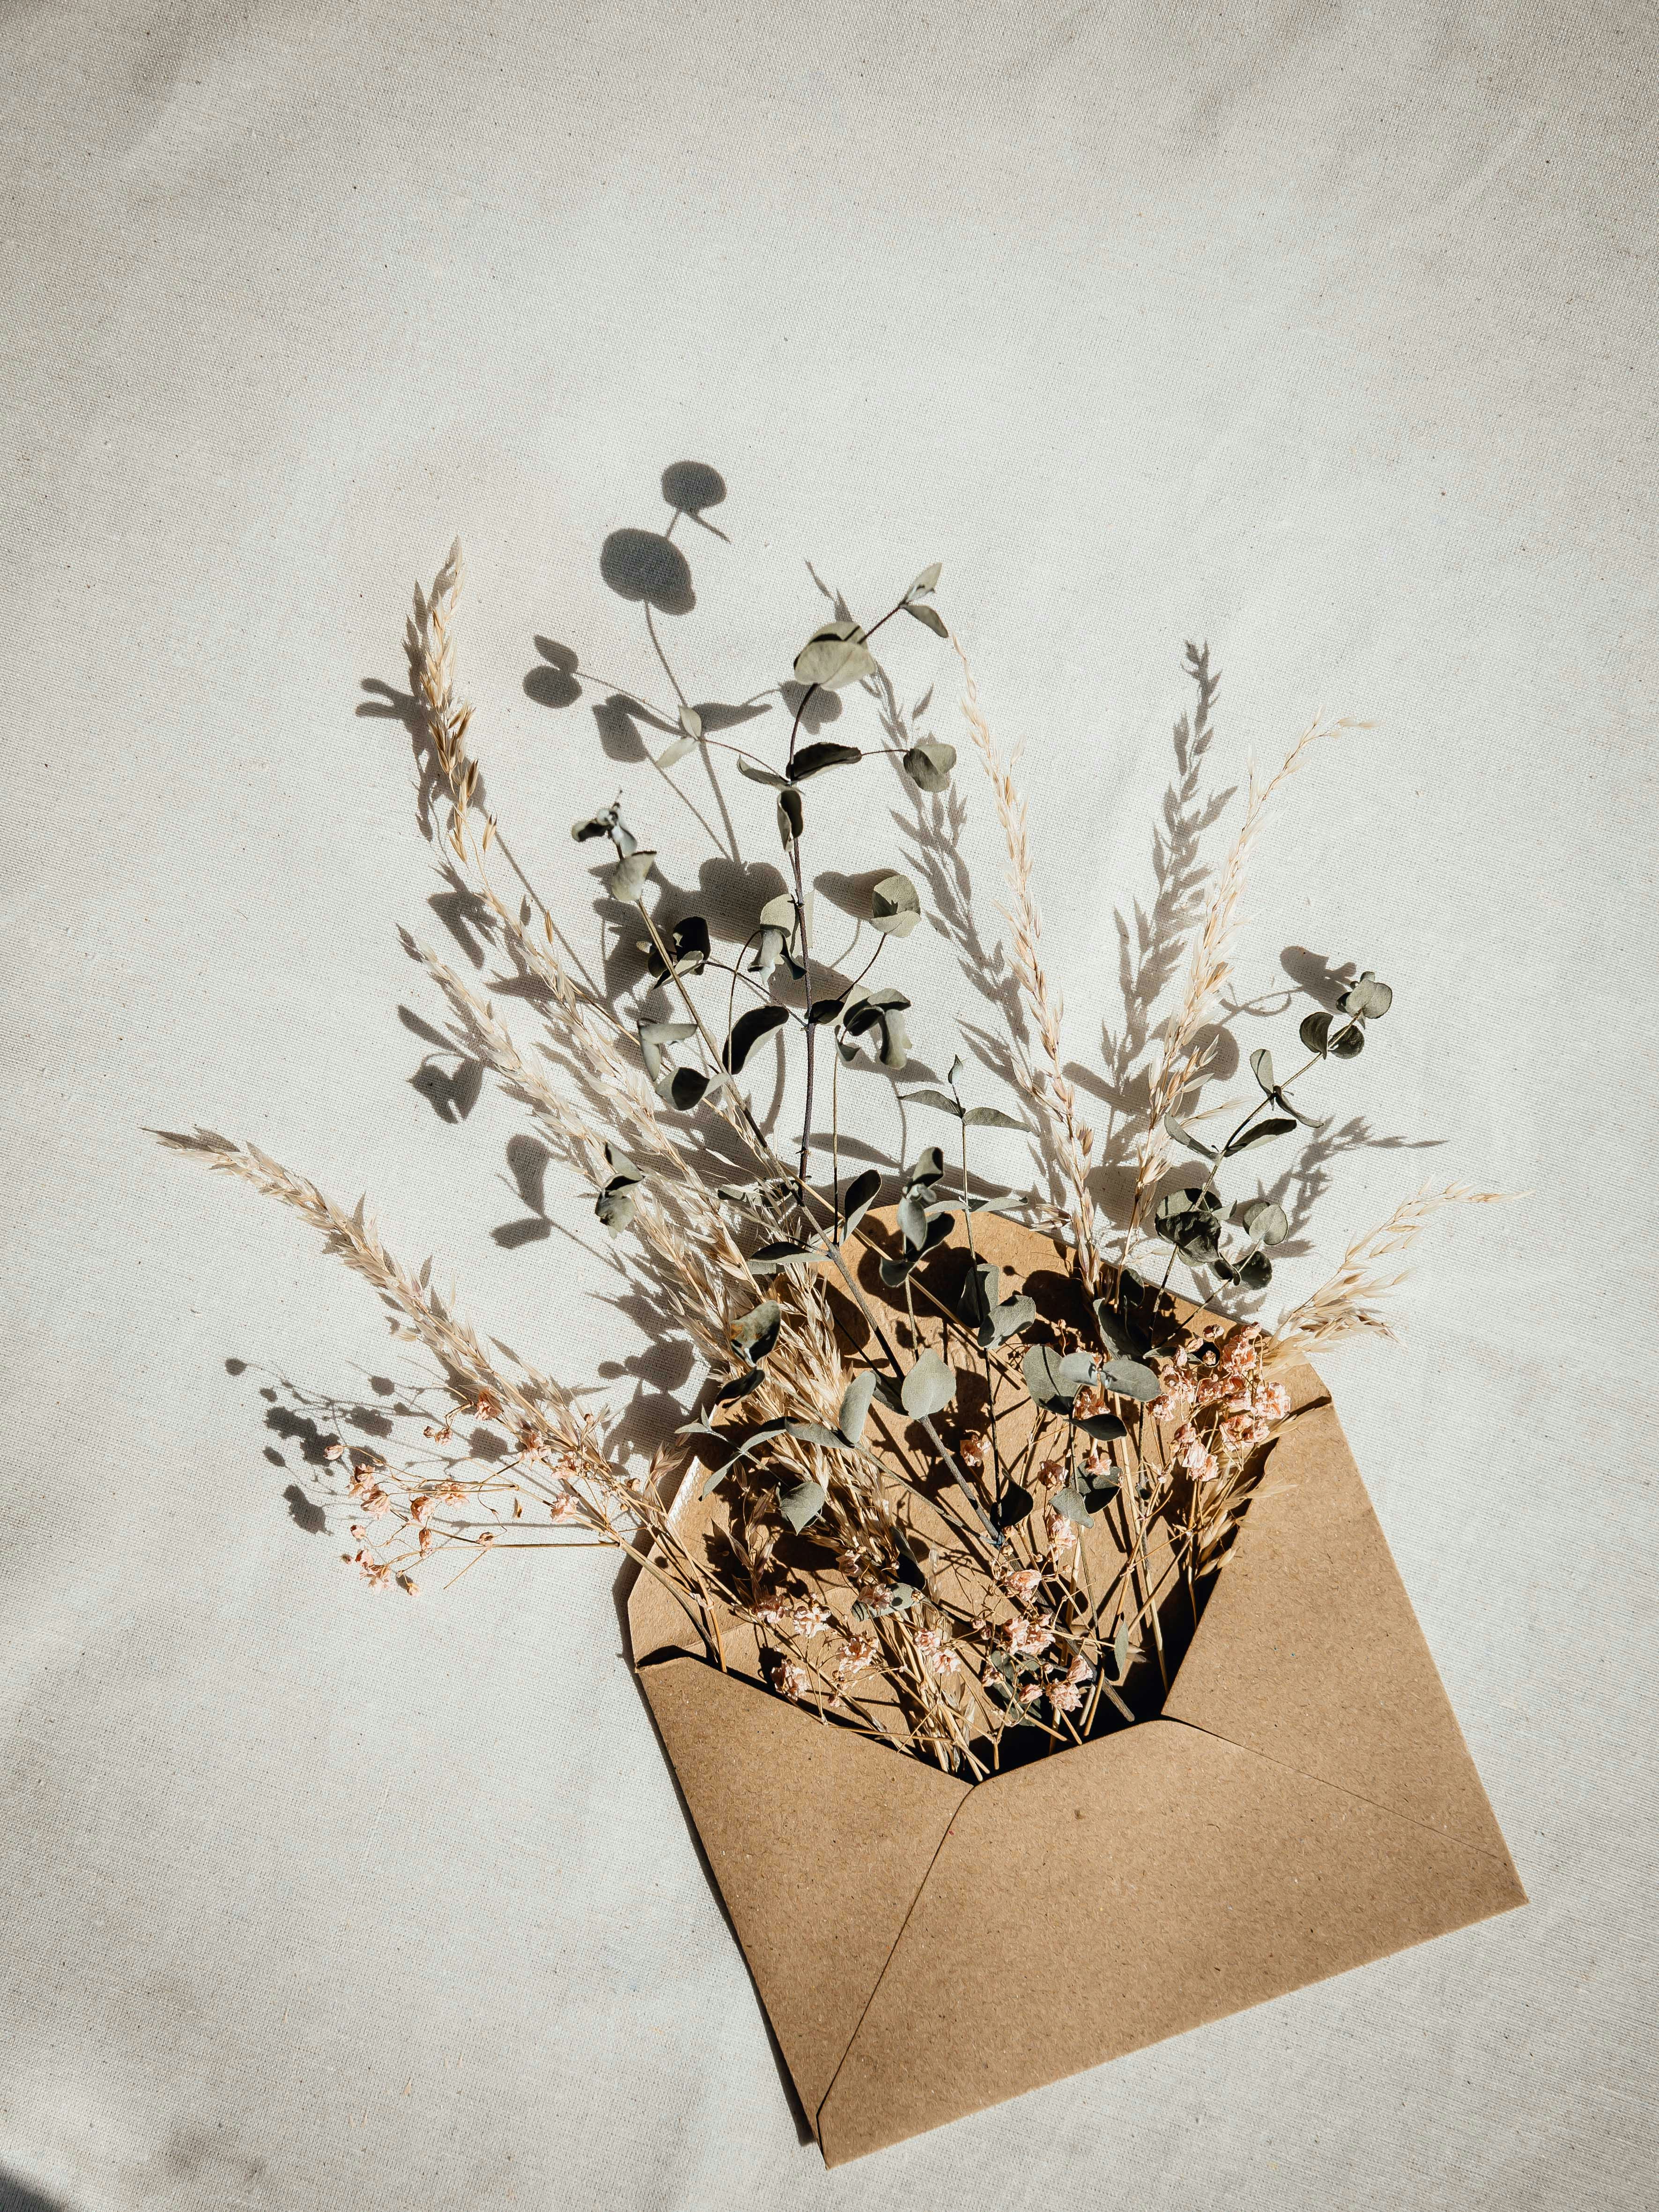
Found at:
[957, 1484]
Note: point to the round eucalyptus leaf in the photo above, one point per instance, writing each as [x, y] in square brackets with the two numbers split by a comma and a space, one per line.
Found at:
[929, 762]
[1349, 1042]
[1268, 1222]
[833, 655]
[1105, 1428]
[792, 816]
[928, 1387]
[801, 1503]
[758, 1332]
[1261, 1066]
[615, 1208]
[894, 906]
[1128, 1378]
[628, 879]
[688, 1089]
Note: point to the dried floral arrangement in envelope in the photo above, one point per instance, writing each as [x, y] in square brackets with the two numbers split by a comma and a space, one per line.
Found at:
[1027, 1576]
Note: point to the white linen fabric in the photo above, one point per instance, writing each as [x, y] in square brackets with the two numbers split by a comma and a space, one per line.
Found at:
[1322, 334]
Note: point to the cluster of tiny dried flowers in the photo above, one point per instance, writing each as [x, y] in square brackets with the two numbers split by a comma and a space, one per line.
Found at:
[1224, 1403]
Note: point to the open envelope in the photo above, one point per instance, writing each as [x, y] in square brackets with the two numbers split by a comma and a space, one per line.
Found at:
[925, 1946]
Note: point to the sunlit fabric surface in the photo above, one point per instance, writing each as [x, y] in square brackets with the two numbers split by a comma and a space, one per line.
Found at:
[1319, 334]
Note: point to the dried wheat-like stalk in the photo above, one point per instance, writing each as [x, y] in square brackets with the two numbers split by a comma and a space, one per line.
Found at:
[430, 643]
[1183, 1059]
[354, 1238]
[1047, 1088]
[1343, 1306]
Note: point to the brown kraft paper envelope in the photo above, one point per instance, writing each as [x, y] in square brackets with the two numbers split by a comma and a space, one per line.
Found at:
[925, 1946]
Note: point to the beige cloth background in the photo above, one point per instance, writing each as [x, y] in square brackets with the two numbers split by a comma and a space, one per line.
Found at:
[1323, 333]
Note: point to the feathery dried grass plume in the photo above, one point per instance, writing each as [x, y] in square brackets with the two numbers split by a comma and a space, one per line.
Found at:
[1184, 1058]
[1049, 1088]
[1343, 1305]
[429, 645]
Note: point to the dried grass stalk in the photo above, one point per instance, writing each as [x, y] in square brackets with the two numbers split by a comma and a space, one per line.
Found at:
[1049, 1088]
[1343, 1305]
[1184, 1058]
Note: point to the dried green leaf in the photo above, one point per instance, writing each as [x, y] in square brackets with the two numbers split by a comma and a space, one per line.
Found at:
[1268, 1222]
[688, 1089]
[928, 1387]
[1128, 1378]
[792, 816]
[653, 1038]
[1261, 1066]
[1068, 1502]
[615, 1208]
[691, 723]
[801, 1503]
[628, 879]
[1263, 1133]
[928, 764]
[1013, 1507]
[1183, 1135]
[758, 1332]
[756, 773]
[930, 615]
[989, 1117]
[1053, 1380]
[746, 1033]
[1105, 1428]
[675, 750]
[812, 760]
[833, 655]
[861, 1195]
[623, 1169]
[894, 906]
[782, 1252]
[855, 1407]
[925, 582]
[937, 1098]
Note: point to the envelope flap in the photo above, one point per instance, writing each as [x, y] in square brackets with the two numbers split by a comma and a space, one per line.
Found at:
[1309, 1650]
[1124, 1891]
[819, 1839]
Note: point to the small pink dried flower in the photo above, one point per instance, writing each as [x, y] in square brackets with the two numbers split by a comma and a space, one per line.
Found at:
[1023, 1583]
[794, 1681]
[857, 1653]
[564, 1510]
[335, 1450]
[409, 1585]
[1018, 1635]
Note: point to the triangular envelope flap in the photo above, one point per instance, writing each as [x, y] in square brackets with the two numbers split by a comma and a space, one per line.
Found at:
[1309, 1650]
[1128, 1890]
[819, 1839]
